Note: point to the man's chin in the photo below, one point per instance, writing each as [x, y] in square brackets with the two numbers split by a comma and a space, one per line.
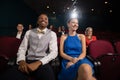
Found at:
[42, 27]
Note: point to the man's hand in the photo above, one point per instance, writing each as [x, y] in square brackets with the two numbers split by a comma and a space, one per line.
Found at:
[23, 66]
[33, 66]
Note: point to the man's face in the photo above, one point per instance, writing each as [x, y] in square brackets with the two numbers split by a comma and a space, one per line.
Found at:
[19, 27]
[43, 21]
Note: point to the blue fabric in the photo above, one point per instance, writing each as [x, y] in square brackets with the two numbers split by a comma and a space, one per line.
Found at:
[72, 47]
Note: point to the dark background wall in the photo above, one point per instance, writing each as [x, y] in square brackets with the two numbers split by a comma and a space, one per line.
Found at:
[13, 12]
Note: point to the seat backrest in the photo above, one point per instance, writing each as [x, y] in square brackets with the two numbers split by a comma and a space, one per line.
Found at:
[100, 47]
[110, 67]
[117, 47]
[9, 46]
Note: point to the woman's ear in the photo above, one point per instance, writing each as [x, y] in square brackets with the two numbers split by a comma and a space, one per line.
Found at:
[68, 25]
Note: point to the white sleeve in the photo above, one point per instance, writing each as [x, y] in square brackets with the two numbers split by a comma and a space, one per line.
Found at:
[23, 47]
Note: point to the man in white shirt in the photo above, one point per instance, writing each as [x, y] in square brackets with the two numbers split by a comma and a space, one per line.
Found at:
[20, 32]
[36, 43]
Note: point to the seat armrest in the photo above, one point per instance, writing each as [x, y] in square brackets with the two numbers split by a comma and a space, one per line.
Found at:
[4, 57]
[94, 61]
[3, 63]
[11, 61]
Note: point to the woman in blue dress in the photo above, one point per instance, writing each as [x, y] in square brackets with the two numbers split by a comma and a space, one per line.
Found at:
[75, 65]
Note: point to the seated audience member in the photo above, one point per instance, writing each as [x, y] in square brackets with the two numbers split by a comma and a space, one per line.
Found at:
[30, 27]
[36, 61]
[74, 65]
[63, 30]
[59, 33]
[20, 31]
[89, 35]
[52, 28]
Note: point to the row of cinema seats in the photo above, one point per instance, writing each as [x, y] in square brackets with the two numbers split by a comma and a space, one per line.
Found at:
[106, 57]
[103, 54]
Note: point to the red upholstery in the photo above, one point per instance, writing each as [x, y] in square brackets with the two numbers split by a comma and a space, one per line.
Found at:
[58, 41]
[8, 49]
[100, 47]
[117, 46]
[110, 67]
[9, 46]
[103, 51]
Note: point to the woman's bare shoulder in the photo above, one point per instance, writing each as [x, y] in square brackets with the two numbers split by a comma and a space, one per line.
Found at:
[81, 35]
[64, 36]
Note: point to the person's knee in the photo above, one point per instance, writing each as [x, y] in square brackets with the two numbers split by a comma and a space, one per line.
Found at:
[85, 72]
[86, 68]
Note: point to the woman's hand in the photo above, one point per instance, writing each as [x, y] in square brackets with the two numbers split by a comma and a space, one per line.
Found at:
[69, 64]
[74, 60]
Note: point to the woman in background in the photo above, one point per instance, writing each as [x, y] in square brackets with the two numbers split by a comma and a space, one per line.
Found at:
[89, 35]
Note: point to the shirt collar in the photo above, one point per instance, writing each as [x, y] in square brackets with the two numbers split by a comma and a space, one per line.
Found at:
[43, 29]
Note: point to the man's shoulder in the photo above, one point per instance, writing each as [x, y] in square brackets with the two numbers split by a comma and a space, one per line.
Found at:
[52, 32]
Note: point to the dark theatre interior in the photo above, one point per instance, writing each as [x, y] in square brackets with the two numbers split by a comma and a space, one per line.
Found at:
[98, 14]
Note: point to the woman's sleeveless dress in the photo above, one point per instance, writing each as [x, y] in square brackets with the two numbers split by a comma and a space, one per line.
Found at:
[72, 47]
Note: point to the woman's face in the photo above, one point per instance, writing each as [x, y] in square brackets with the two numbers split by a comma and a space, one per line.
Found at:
[73, 24]
[19, 27]
[89, 32]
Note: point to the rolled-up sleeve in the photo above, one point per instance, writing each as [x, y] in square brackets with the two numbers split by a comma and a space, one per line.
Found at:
[53, 49]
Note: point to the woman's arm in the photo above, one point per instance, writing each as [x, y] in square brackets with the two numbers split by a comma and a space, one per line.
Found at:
[83, 54]
[62, 54]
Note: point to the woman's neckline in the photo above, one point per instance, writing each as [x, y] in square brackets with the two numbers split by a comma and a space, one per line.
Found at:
[72, 35]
